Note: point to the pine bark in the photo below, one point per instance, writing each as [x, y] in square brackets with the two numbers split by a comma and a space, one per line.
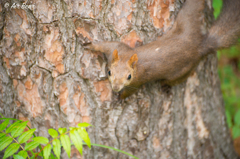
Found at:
[48, 78]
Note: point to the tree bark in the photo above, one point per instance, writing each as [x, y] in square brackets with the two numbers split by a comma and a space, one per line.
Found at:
[48, 78]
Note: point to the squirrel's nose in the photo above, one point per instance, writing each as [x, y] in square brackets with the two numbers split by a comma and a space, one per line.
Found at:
[116, 88]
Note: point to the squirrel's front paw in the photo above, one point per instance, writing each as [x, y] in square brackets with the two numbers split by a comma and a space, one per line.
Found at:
[117, 99]
[88, 46]
[121, 95]
[120, 98]
[166, 89]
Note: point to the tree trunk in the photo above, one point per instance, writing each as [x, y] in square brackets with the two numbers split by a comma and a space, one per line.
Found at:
[48, 78]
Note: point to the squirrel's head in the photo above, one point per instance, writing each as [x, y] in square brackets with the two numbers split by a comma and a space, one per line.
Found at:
[121, 72]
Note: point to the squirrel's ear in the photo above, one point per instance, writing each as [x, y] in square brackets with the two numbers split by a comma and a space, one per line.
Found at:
[115, 57]
[133, 61]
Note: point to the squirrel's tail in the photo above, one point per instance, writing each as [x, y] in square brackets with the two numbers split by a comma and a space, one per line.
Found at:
[225, 31]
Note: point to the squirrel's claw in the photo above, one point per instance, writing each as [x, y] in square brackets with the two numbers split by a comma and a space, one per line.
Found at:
[166, 89]
[87, 45]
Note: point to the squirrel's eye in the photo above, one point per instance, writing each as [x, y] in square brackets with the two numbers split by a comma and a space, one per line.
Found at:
[129, 77]
[109, 73]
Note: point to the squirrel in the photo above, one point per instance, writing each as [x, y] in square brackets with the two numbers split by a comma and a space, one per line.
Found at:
[173, 57]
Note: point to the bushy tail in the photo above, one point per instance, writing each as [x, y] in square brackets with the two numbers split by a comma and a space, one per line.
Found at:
[226, 29]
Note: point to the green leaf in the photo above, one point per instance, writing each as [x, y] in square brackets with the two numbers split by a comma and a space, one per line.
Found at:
[18, 131]
[53, 157]
[84, 124]
[12, 127]
[56, 147]
[236, 132]
[18, 157]
[229, 119]
[5, 142]
[23, 153]
[47, 151]
[4, 125]
[65, 140]
[62, 130]
[237, 118]
[41, 140]
[217, 7]
[3, 138]
[26, 136]
[53, 133]
[2, 135]
[76, 139]
[31, 145]
[11, 150]
[40, 154]
[32, 153]
[84, 135]
[33, 157]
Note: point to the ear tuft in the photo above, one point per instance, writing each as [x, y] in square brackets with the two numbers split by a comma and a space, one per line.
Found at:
[133, 61]
[115, 57]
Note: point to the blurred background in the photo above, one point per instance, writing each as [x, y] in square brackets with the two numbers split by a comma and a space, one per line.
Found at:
[229, 73]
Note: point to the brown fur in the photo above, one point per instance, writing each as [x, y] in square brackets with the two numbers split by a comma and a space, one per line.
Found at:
[225, 30]
[173, 57]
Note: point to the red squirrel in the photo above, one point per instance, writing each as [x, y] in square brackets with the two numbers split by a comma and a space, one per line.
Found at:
[173, 57]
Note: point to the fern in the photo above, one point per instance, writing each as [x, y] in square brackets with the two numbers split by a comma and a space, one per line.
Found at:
[20, 144]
